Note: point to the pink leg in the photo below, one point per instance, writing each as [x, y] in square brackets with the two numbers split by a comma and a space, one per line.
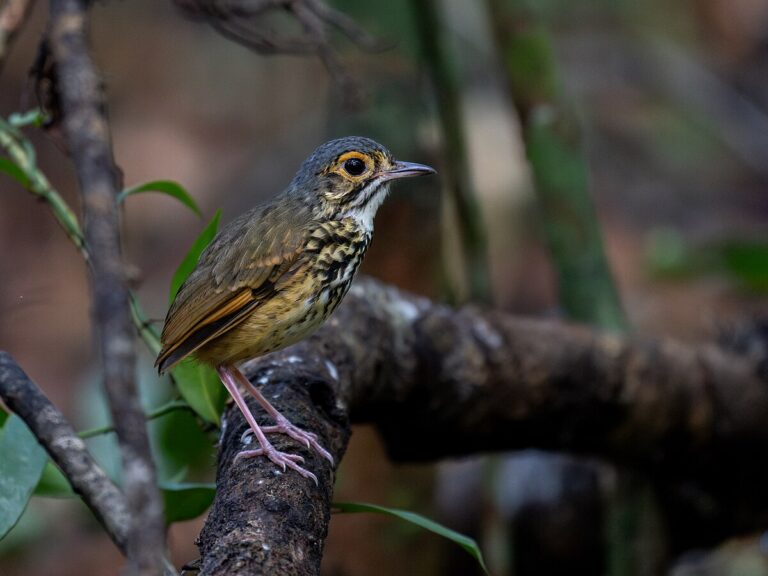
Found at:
[282, 459]
[282, 424]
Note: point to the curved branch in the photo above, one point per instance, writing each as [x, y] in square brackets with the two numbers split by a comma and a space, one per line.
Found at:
[439, 383]
[65, 448]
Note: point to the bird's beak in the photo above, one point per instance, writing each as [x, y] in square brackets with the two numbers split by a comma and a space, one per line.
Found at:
[406, 170]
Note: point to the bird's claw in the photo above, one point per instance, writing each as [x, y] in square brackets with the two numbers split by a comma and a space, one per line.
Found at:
[282, 459]
[308, 439]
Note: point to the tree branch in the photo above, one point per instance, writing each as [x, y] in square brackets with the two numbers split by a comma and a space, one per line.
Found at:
[87, 133]
[65, 448]
[13, 14]
[265, 521]
[247, 22]
[441, 383]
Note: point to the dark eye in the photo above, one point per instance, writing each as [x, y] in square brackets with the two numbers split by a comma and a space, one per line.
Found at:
[354, 166]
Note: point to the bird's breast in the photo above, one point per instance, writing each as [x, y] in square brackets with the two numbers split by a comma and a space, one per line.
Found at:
[336, 261]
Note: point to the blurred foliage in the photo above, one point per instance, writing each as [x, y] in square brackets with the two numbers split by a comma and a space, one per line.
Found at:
[560, 171]
[459, 191]
[22, 461]
[189, 261]
[184, 501]
[744, 262]
[198, 383]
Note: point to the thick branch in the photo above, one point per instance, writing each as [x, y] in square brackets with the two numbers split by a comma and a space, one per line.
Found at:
[442, 383]
[65, 448]
[265, 521]
[87, 133]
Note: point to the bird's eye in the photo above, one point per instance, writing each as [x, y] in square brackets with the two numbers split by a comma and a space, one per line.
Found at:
[354, 166]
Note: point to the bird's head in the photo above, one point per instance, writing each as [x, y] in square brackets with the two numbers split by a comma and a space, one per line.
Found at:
[350, 177]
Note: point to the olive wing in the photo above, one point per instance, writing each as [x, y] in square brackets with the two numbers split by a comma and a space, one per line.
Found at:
[239, 269]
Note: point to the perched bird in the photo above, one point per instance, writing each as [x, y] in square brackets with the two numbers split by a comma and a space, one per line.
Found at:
[273, 275]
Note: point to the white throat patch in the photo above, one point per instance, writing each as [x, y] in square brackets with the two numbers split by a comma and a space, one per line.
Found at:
[365, 214]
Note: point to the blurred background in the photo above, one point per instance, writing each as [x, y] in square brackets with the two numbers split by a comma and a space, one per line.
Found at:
[603, 161]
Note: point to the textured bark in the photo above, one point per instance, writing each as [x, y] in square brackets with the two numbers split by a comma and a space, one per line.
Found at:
[265, 521]
[87, 132]
[441, 383]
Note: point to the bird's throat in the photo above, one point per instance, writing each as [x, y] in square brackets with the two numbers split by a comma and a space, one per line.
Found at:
[370, 199]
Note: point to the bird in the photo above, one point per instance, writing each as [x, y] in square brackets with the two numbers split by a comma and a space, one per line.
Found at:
[274, 274]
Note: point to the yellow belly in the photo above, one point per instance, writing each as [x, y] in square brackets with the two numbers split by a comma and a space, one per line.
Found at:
[280, 321]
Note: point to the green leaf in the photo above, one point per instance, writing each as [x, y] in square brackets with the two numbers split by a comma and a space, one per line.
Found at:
[190, 260]
[3, 417]
[22, 461]
[168, 187]
[184, 501]
[200, 386]
[464, 541]
[53, 484]
[12, 170]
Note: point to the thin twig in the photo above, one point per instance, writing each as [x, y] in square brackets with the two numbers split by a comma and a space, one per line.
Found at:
[245, 22]
[66, 449]
[87, 132]
[13, 14]
[22, 154]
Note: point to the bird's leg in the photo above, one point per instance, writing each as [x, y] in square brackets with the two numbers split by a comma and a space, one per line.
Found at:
[228, 375]
[282, 424]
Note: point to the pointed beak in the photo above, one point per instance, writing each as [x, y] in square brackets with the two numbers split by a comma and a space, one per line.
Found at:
[407, 170]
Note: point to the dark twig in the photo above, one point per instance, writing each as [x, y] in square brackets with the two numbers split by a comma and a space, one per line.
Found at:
[13, 14]
[443, 383]
[87, 133]
[247, 22]
[65, 448]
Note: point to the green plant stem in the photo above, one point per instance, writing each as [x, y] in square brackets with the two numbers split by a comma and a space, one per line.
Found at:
[447, 89]
[167, 408]
[147, 332]
[22, 154]
[560, 171]
[588, 292]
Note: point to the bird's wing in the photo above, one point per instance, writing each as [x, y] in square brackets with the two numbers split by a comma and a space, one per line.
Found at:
[241, 267]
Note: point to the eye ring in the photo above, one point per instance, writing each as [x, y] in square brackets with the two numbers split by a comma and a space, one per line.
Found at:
[354, 166]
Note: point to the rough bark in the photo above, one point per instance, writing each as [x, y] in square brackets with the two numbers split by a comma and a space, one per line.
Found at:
[87, 132]
[440, 383]
[265, 521]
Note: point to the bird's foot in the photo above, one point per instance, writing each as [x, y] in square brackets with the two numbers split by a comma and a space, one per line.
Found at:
[282, 459]
[284, 426]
